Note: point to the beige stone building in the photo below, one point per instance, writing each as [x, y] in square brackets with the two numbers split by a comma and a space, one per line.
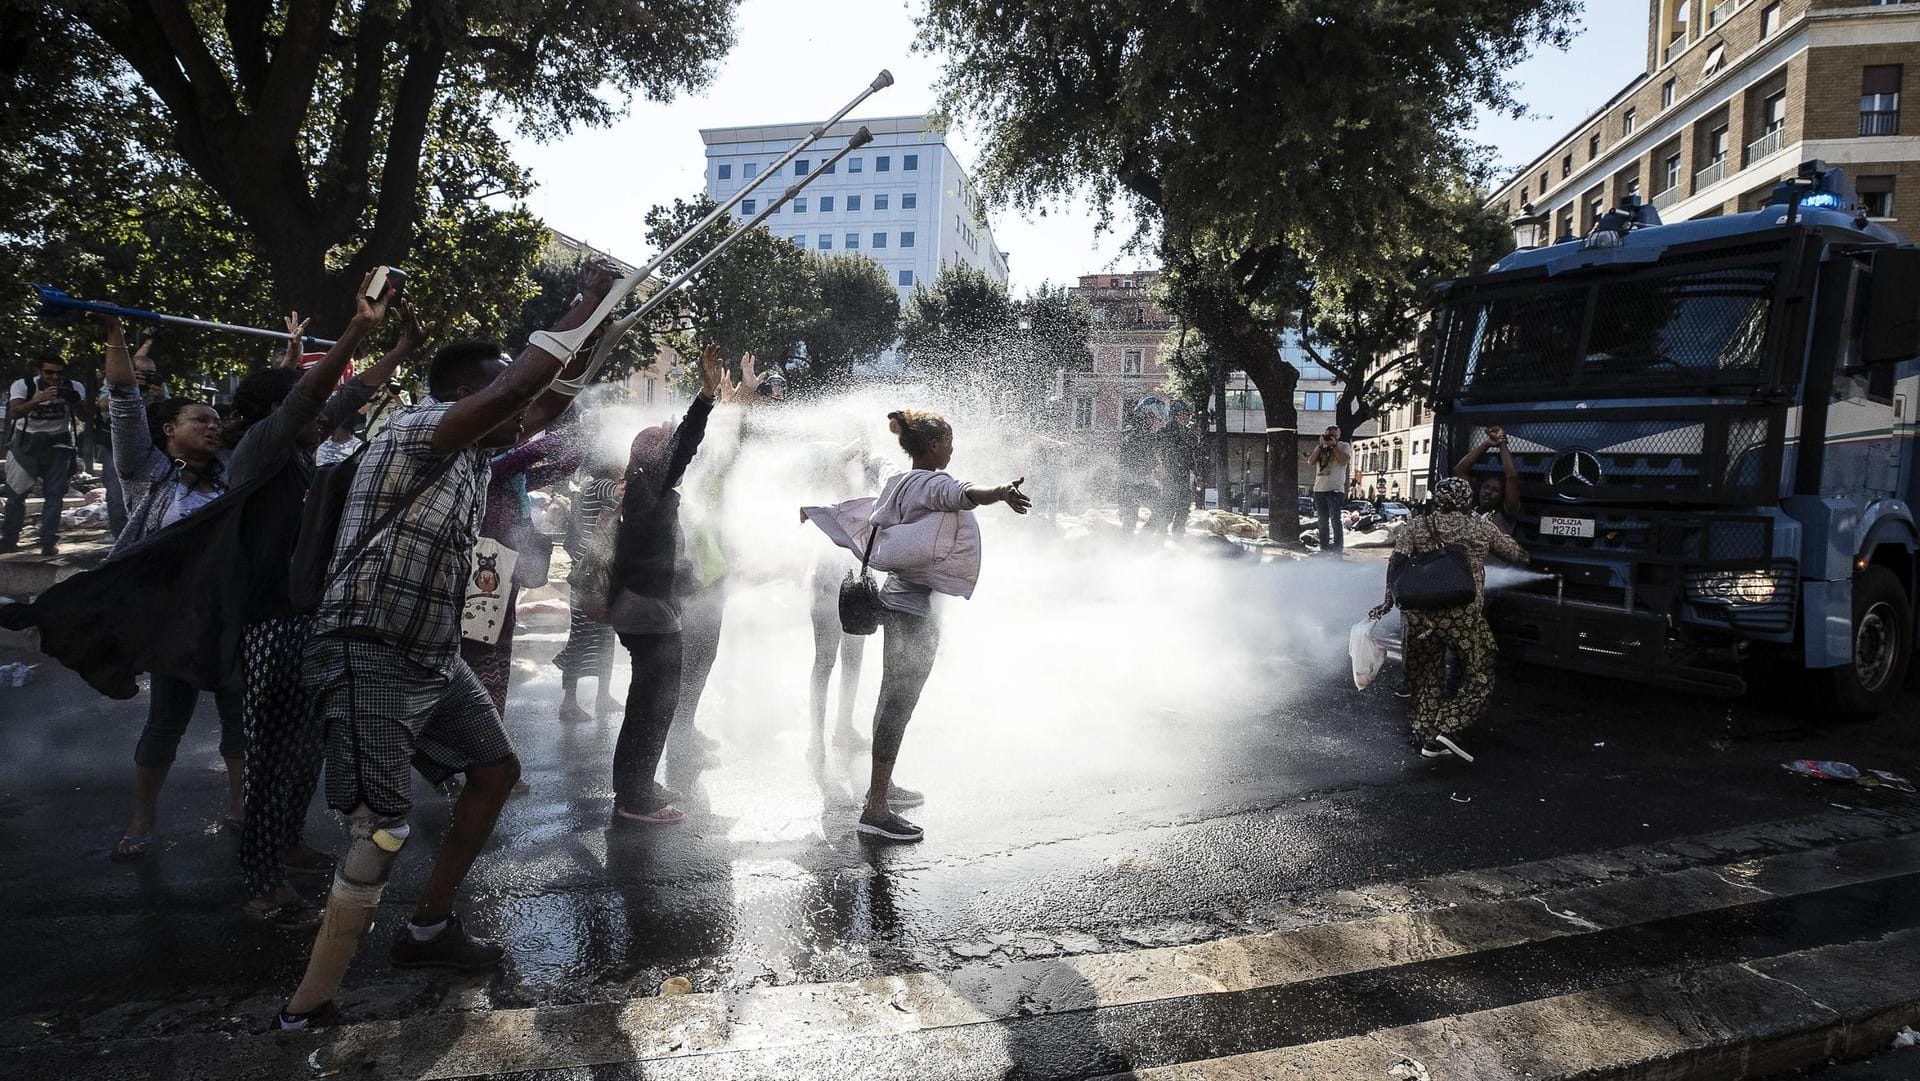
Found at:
[1735, 95]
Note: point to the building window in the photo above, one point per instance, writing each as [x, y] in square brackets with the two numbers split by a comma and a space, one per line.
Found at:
[906, 239]
[1593, 212]
[800, 166]
[1626, 121]
[1716, 59]
[1769, 20]
[1673, 171]
[853, 241]
[1083, 413]
[1880, 100]
[748, 206]
[1717, 144]
[824, 242]
[853, 203]
[829, 168]
[906, 276]
[909, 200]
[1876, 195]
[1525, 198]
[725, 172]
[910, 162]
[826, 204]
[1319, 401]
[799, 241]
[1566, 223]
[853, 165]
[880, 201]
[1130, 362]
[650, 384]
[1593, 146]
[1666, 94]
[750, 170]
[1633, 186]
[879, 240]
[1566, 167]
[799, 206]
[1773, 112]
[1543, 183]
[883, 163]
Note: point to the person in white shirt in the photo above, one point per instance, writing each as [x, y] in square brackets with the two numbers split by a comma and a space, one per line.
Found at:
[1330, 460]
[924, 534]
[43, 408]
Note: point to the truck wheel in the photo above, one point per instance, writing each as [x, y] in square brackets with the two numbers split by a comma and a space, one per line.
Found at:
[1867, 687]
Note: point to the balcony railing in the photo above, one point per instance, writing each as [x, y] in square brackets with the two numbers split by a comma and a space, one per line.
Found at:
[1675, 46]
[1772, 141]
[1667, 198]
[1720, 12]
[1710, 175]
[1880, 123]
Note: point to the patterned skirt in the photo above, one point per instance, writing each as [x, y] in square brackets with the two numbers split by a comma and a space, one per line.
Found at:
[1428, 638]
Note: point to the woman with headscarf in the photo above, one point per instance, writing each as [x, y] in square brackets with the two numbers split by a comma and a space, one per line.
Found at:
[1428, 634]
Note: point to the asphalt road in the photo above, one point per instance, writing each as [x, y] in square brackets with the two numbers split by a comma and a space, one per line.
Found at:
[1090, 787]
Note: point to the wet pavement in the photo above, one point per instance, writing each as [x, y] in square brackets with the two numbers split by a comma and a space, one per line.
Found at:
[1169, 800]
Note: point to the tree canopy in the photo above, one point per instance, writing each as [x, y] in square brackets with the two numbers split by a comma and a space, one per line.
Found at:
[330, 134]
[967, 331]
[1261, 146]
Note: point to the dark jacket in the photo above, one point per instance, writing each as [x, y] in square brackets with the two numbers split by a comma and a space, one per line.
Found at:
[175, 603]
[646, 549]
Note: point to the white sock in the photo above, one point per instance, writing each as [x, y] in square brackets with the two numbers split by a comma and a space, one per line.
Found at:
[426, 932]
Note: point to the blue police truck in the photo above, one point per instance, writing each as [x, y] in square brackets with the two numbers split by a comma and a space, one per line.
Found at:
[1713, 422]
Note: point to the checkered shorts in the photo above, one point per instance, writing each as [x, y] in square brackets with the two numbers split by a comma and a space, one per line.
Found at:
[387, 714]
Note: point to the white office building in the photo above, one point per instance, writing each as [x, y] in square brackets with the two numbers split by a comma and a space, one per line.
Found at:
[902, 200]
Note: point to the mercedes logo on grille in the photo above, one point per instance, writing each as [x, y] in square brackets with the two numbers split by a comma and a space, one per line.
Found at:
[1573, 474]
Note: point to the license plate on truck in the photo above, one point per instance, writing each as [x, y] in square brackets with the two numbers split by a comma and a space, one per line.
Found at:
[1553, 525]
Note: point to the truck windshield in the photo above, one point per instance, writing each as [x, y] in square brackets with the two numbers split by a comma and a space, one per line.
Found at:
[1700, 328]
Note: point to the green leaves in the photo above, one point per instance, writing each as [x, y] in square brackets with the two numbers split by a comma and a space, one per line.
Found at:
[764, 296]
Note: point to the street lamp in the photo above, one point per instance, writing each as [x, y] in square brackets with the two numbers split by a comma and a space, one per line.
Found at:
[1530, 228]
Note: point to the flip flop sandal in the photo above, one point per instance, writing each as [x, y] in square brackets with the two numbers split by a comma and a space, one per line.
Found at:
[132, 847]
[291, 916]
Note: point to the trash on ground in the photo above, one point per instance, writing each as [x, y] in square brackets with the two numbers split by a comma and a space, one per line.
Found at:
[1879, 778]
[1458, 798]
[1821, 770]
[1408, 1070]
[676, 985]
[1906, 1037]
[1367, 647]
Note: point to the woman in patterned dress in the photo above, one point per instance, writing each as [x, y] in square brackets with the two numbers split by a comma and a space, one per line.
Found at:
[1427, 635]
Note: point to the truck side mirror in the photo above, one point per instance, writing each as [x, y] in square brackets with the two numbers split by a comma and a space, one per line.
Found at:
[1893, 307]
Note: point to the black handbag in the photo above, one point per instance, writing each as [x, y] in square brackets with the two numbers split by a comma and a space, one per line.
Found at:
[860, 596]
[1431, 580]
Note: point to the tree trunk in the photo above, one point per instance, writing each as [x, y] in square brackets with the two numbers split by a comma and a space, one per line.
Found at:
[1276, 379]
[1222, 485]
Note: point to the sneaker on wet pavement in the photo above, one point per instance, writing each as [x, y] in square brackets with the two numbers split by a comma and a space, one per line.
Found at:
[451, 948]
[1432, 749]
[667, 815]
[895, 830]
[904, 797]
[321, 1016]
[1458, 751]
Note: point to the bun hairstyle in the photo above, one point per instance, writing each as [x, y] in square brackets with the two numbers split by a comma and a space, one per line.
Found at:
[918, 429]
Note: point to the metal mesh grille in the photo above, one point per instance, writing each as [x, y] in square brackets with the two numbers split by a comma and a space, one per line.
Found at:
[1720, 456]
[1703, 326]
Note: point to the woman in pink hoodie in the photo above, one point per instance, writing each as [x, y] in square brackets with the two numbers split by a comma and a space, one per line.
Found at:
[924, 534]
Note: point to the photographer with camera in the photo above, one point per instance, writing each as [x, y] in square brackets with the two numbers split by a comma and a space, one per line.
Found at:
[1330, 460]
[44, 409]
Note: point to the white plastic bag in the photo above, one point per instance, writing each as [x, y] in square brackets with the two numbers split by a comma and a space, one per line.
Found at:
[1368, 650]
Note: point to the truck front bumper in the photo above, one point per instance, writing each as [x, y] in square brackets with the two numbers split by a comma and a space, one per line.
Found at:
[1587, 637]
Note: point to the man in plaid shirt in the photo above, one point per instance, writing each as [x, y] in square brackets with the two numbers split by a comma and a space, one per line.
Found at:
[384, 661]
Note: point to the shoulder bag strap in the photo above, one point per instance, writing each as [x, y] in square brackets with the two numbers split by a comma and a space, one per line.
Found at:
[394, 512]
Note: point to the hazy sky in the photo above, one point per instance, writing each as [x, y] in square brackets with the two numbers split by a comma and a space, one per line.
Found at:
[799, 62]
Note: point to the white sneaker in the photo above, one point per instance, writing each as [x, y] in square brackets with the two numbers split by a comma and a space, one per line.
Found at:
[1454, 747]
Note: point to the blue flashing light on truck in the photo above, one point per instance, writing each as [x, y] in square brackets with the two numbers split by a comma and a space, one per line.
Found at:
[1714, 426]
